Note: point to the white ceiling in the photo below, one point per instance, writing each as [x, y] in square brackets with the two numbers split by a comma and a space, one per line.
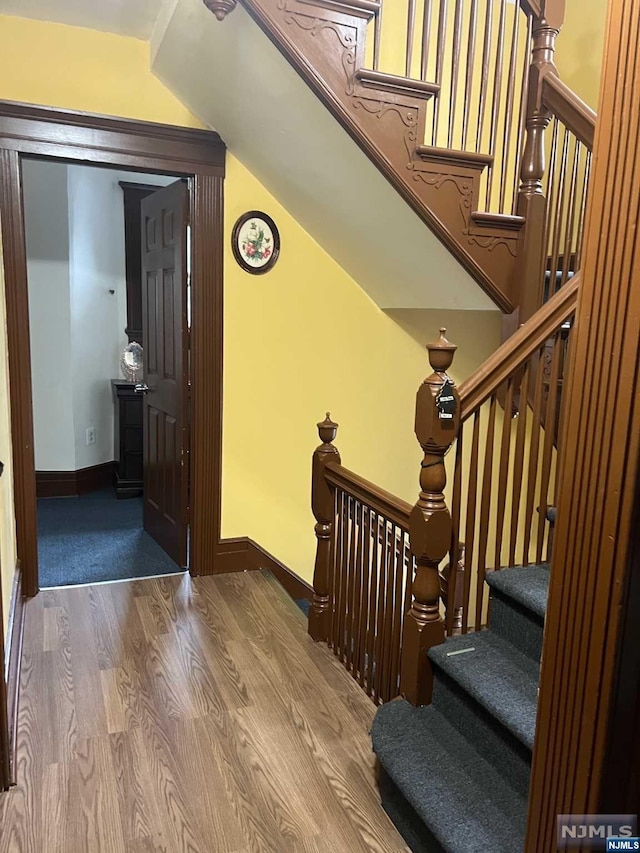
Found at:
[126, 17]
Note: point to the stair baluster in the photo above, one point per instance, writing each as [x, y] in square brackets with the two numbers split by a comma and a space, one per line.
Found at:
[430, 525]
[322, 505]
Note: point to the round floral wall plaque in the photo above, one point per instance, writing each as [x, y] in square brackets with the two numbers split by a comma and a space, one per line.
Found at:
[256, 242]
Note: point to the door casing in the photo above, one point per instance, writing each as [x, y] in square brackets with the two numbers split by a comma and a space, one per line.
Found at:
[199, 155]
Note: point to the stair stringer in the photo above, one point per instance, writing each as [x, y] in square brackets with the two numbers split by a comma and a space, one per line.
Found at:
[326, 47]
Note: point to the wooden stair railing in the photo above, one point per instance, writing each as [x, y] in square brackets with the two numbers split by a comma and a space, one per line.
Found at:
[552, 198]
[377, 586]
[430, 526]
[363, 570]
[507, 459]
[462, 129]
[380, 600]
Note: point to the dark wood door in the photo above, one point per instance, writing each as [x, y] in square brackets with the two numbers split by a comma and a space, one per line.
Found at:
[165, 387]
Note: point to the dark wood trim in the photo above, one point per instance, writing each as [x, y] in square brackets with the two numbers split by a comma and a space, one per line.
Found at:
[242, 554]
[297, 588]
[231, 555]
[532, 7]
[206, 382]
[17, 307]
[517, 349]
[593, 559]
[621, 776]
[387, 504]
[323, 68]
[132, 196]
[125, 143]
[12, 666]
[569, 108]
[147, 188]
[64, 484]
[198, 155]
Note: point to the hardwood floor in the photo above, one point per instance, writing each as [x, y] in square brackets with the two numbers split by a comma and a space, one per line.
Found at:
[177, 715]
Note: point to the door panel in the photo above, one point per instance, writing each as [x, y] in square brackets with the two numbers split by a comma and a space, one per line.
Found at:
[164, 326]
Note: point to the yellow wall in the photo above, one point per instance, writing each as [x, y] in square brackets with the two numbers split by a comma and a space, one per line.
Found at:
[580, 46]
[7, 523]
[80, 69]
[303, 339]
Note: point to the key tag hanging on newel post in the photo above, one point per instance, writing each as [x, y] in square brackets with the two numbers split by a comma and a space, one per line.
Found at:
[446, 402]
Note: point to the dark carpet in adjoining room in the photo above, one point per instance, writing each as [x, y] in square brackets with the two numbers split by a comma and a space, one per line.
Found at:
[96, 537]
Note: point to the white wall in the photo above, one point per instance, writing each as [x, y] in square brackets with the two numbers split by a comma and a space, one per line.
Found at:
[76, 254]
[97, 266]
[47, 236]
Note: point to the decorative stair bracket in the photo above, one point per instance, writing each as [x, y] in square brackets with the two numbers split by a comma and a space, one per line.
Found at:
[322, 505]
[325, 41]
[430, 526]
[220, 8]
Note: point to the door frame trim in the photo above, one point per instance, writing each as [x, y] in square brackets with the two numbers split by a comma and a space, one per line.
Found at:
[75, 137]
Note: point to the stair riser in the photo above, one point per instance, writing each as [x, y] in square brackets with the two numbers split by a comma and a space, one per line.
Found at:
[417, 836]
[489, 737]
[517, 625]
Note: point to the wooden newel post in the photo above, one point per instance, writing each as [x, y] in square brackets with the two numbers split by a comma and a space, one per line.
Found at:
[532, 203]
[430, 526]
[322, 505]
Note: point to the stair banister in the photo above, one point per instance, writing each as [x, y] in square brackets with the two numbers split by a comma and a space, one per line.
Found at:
[430, 525]
[322, 505]
[532, 203]
[515, 351]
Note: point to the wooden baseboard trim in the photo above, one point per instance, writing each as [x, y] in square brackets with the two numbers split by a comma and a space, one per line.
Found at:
[232, 555]
[294, 585]
[243, 554]
[13, 663]
[66, 484]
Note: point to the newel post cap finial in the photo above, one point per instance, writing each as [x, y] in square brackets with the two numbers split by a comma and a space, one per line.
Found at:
[441, 353]
[220, 8]
[327, 430]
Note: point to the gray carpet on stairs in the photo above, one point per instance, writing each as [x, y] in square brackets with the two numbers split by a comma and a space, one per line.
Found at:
[497, 676]
[517, 625]
[455, 774]
[466, 803]
[528, 585]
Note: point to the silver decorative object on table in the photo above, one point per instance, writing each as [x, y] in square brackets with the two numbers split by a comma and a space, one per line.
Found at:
[131, 362]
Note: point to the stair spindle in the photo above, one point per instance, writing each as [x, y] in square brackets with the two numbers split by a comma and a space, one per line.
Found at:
[323, 507]
[411, 29]
[426, 39]
[430, 525]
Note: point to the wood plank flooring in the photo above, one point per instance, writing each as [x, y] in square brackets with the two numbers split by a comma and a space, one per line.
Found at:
[188, 715]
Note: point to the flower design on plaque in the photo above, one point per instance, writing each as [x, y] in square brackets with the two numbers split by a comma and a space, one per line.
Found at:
[256, 242]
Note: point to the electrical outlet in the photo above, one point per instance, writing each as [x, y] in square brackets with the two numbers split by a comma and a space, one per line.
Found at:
[91, 435]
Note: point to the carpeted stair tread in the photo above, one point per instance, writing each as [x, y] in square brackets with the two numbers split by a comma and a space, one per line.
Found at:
[527, 585]
[447, 782]
[497, 676]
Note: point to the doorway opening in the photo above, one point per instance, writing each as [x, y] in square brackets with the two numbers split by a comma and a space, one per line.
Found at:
[108, 283]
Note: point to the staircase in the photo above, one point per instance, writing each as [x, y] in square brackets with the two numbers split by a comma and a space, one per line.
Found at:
[477, 133]
[454, 775]
[452, 657]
